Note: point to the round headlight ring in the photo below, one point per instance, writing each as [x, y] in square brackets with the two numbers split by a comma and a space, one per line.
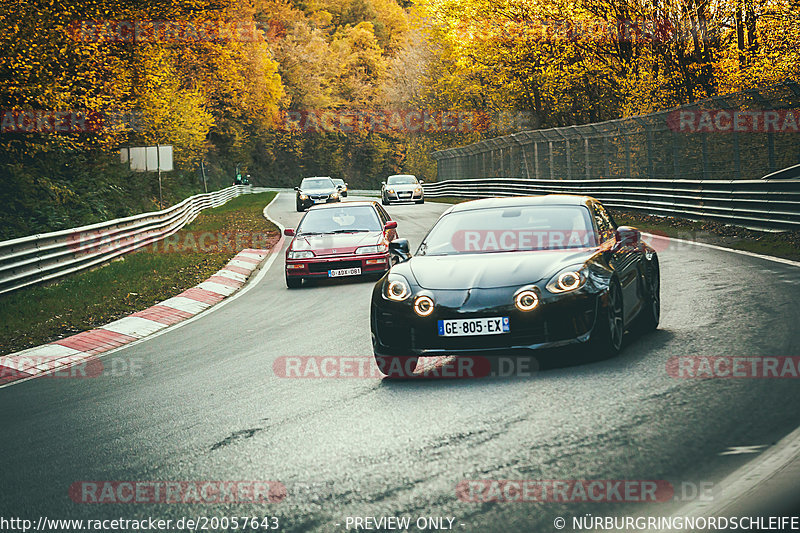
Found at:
[569, 281]
[526, 300]
[397, 291]
[423, 306]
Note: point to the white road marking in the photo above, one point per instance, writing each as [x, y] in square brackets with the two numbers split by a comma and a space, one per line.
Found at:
[219, 288]
[134, 326]
[182, 303]
[739, 450]
[723, 249]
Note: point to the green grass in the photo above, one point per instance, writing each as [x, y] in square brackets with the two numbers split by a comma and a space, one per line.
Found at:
[43, 313]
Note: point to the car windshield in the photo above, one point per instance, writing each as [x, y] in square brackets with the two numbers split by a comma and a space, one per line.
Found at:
[340, 220]
[338, 182]
[401, 180]
[507, 229]
[317, 183]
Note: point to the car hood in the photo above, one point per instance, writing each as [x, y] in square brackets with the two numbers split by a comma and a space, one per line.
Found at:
[317, 191]
[336, 243]
[492, 270]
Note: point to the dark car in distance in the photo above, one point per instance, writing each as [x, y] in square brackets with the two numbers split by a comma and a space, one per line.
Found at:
[342, 240]
[317, 190]
[508, 276]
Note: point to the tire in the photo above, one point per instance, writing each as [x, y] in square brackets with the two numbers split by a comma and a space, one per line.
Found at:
[420, 201]
[384, 201]
[299, 208]
[396, 367]
[294, 283]
[609, 327]
[650, 315]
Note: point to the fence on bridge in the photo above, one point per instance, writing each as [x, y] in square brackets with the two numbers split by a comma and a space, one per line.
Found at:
[682, 143]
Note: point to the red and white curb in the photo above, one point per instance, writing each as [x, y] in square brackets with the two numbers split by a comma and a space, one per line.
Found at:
[84, 346]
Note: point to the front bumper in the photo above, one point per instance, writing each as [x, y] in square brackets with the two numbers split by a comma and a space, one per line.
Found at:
[559, 320]
[404, 196]
[318, 267]
[314, 200]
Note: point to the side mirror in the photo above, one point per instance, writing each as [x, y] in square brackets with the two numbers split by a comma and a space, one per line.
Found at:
[289, 232]
[392, 224]
[383, 183]
[421, 182]
[297, 188]
[626, 237]
[399, 247]
[345, 184]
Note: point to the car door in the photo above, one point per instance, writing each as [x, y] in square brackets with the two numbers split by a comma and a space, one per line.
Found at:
[623, 260]
[384, 217]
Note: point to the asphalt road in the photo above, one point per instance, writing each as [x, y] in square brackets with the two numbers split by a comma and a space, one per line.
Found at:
[205, 404]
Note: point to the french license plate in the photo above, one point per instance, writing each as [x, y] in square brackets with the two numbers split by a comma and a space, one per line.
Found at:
[344, 272]
[474, 326]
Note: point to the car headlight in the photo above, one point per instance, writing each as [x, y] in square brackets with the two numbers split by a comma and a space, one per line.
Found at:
[304, 197]
[423, 305]
[526, 299]
[568, 279]
[397, 288]
[335, 195]
[418, 189]
[377, 249]
[304, 254]
[390, 191]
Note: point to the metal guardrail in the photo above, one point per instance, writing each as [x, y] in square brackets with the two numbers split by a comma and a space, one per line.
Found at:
[45, 257]
[762, 204]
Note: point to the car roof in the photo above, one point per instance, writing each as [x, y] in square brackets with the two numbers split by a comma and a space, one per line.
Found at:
[318, 178]
[520, 201]
[402, 176]
[345, 204]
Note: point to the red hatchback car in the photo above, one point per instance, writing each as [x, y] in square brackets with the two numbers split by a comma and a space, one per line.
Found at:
[340, 240]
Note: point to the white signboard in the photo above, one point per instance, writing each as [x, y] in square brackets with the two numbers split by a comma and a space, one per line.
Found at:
[148, 158]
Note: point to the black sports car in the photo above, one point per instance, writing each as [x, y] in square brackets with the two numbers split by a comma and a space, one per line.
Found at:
[512, 275]
[314, 191]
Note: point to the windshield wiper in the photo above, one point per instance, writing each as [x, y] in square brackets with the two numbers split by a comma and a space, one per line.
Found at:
[350, 230]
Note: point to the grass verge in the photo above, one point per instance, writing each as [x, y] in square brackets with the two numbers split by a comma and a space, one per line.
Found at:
[785, 244]
[44, 313]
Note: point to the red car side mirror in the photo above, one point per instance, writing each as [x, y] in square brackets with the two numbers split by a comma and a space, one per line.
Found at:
[289, 232]
[390, 225]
